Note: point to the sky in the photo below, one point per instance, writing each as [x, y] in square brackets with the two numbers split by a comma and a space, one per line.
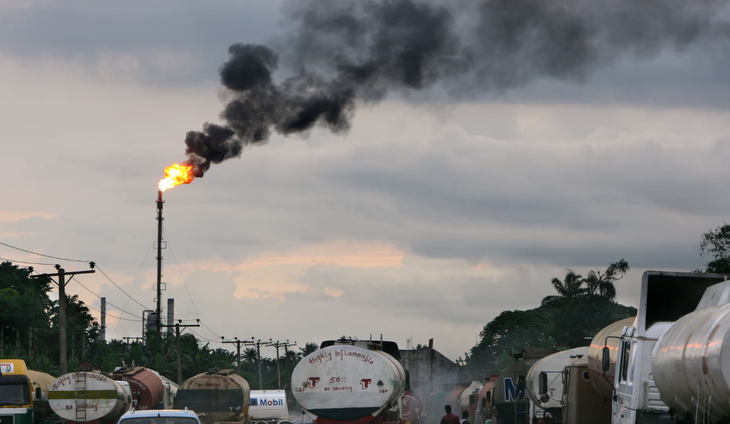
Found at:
[429, 217]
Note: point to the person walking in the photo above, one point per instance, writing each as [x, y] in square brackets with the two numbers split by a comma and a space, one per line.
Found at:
[464, 416]
[449, 418]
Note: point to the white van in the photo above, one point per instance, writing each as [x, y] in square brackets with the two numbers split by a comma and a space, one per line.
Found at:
[160, 416]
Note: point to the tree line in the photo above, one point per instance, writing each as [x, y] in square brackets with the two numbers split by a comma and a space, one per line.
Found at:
[578, 310]
[29, 331]
[581, 308]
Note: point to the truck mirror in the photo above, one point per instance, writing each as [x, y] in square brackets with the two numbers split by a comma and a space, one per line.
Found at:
[521, 383]
[606, 359]
[471, 399]
[37, 392]
[543, 383]
[489, 396]
[544, 398]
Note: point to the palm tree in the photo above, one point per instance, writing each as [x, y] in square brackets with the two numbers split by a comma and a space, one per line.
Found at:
[602, 283]
[250, 354]
[571, 286]
[309, 348]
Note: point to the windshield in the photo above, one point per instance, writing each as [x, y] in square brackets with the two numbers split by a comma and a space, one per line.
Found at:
[14, 394]
[160, 420]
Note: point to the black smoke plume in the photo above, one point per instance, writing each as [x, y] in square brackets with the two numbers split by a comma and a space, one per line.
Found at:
[340, 52]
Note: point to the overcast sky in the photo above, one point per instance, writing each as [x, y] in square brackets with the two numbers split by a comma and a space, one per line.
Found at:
[426, 220]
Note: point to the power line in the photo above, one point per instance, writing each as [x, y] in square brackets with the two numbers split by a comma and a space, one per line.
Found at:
[107, 302]
[209, 329]
[41, 254]
[136, 279]
[181, 276]
[113, 316]
[115, 285]
[26, 262]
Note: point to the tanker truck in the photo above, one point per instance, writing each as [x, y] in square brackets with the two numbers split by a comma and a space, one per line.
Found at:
[150, 390]
[351, 382]
[85, 396]
[16, 393]
[672, 362]
[216, 396]
[545, 385]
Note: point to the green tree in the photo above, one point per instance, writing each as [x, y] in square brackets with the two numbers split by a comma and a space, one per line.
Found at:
[603, 283]
[308, 349]
[716, 243]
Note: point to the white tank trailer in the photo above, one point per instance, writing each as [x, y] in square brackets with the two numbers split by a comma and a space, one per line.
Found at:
[673, 362]
[691, 364]
[345, 383]
[545, 383]
[268, 406]
[82, 397]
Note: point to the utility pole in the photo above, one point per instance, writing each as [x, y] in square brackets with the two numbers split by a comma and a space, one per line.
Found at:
[61, 274]
[178, 325]
[277, 345]
[238, 344]
[102, 333]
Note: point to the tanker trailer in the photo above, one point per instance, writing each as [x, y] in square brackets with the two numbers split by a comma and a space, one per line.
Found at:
[349, 383]
[41, 383]
[609, 336]
[691, 365]
[581, 403]
[83, 396]
[146, 386]
[411, 408]
[268, 406]
[484, 401]
[467, 400]
[545, 384]
[511, 406]
[217, 395]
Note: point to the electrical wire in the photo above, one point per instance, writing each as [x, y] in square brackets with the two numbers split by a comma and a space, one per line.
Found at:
[136, 279]
[214, 333]
[25, 262]
[41, 254]
[113, 316]
[115, 285]
[107, 302]
[181, 276]
[203, 338]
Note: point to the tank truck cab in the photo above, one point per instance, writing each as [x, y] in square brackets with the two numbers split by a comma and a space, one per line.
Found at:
[665, 297]
[16, 393]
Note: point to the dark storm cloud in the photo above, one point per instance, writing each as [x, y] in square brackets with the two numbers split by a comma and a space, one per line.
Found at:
[347, 51]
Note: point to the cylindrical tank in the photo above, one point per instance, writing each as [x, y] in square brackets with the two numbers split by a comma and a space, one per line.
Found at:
[553, 366]
[691, 363]
[215, 396]
[88, 396]
[484, 400]
[146, 386]
[43, 381]
[268, 405]
[468, 399]
[346, 383]
[604, 386]
[411, 407]
[452, 397]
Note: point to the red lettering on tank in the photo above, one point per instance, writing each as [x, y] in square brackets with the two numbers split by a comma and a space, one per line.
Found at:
[313, 381]
[365, 382]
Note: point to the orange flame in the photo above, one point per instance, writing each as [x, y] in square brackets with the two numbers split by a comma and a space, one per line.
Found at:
[175, 175]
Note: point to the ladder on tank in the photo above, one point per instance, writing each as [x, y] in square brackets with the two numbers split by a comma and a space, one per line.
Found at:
[81, 397]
